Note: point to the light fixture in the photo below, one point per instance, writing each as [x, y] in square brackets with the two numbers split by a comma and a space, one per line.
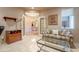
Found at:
[32, 12]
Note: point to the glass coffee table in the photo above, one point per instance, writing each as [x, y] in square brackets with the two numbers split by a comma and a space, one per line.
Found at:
[57, 42]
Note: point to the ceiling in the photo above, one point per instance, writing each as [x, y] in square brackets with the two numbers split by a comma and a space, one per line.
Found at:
[39, 9]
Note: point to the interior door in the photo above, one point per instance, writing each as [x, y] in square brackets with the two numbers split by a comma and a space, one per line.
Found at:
[42, 25]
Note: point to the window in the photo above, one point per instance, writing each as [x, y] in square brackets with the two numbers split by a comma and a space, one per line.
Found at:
[71, 22]
[68, 22]
[67, 18]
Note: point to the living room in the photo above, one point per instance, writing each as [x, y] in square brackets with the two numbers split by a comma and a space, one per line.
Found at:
[25, 27]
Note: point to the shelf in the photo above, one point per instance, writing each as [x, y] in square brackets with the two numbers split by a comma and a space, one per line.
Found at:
[9, 18]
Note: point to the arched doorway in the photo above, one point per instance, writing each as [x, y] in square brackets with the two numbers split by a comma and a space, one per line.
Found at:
[30, 25]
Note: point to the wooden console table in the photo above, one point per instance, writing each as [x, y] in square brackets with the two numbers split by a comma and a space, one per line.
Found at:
[13, 36]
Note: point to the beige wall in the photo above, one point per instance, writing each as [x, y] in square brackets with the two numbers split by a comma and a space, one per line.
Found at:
[10, 12]
[56, 11]
[76, 30]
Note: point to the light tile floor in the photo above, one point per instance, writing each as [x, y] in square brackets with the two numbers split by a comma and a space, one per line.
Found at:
[27, 44]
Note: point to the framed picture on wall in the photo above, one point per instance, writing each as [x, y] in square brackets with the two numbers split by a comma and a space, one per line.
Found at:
[53, 20]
